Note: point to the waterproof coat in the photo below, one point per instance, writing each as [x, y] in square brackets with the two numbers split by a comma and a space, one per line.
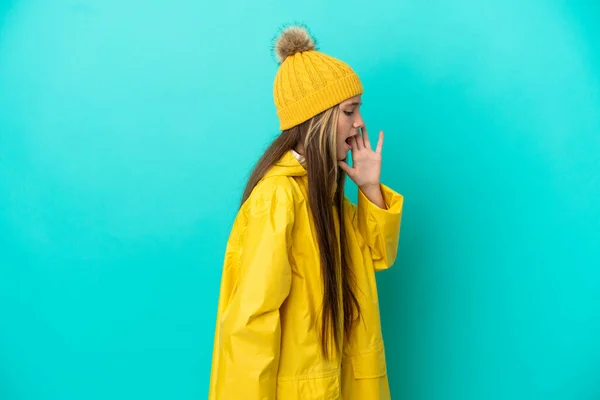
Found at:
[267, 339]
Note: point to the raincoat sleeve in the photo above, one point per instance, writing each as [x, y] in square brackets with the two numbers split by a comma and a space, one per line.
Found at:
[250, 326]
[380, 228]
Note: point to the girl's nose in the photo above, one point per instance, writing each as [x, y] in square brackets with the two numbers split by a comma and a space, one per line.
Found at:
[358, 123]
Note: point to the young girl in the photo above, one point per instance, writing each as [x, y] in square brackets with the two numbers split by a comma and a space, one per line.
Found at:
[298, 315]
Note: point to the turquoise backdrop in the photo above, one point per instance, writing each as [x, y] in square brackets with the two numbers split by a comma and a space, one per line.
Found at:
[127, 129]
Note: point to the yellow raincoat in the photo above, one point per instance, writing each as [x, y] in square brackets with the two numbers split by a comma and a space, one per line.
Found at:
[267, 345]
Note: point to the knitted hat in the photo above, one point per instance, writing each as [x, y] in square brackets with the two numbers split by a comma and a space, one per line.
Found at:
[308, 82]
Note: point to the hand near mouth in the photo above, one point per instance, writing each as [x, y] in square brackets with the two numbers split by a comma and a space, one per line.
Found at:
[366, 163]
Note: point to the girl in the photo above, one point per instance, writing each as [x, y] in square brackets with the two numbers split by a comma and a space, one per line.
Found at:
[298, 314]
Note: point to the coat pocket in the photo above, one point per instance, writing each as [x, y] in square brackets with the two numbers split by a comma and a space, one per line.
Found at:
[370, 364]
[310, 387]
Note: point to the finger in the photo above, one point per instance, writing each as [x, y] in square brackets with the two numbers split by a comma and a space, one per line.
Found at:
[357, 142]
[365, 135]
[352, 150]
[346, 168]
[380, 143]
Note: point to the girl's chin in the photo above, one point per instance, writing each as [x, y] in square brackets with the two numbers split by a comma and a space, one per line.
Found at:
[344, 153]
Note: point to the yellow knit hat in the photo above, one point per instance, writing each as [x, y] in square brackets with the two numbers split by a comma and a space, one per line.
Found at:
[308, 82]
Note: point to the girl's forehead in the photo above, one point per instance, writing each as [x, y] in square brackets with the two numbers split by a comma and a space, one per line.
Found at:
[356, 100]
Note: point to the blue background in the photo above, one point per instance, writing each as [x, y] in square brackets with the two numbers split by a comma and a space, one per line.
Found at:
[128, 128]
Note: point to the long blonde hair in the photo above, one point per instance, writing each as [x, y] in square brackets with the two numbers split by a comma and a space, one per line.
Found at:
[325, 188]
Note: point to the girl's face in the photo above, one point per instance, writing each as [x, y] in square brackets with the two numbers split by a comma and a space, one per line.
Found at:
[348, 125]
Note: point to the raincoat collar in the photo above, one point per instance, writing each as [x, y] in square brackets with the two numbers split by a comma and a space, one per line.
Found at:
[288, 165]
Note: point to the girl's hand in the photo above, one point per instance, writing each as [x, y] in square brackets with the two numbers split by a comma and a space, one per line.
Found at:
[366, 163]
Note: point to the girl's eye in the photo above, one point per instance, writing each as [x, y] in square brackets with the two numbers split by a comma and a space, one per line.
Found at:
[348, 112]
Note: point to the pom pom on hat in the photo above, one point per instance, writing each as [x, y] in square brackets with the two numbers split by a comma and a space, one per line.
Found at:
[310, 81]
[293, 39]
